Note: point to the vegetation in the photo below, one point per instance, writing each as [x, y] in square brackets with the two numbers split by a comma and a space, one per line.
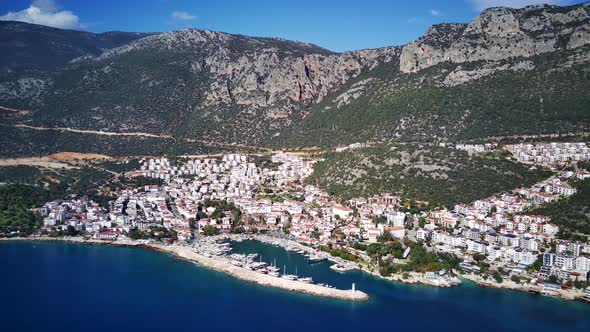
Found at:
[137, 90]
[440, 175]
[419, 107]
[22, 142]
[497, 277]
[210, 230]
[572, 214]
[536, 265]
[342, 253]
[18, 221]
[19, 174]
[16, 218]
[155, 233]
[30, 188]
[121, 166]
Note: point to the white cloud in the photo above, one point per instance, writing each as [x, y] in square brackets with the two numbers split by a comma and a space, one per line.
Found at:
[434, 12]
[184, 16]
[483, 4]
[45, 12]
[46, 5]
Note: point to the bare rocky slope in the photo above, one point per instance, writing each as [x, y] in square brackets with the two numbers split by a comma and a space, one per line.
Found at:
[516, 67]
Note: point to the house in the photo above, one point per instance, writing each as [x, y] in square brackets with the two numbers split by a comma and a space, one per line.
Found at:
[423, 234]
[341, 211]
[373, 234]
[396, 219]
[397, 232]
[582, 264]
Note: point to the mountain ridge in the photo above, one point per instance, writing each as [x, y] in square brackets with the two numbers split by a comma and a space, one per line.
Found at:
[214, 86]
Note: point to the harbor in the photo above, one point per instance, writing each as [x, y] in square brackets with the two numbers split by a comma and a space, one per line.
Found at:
[214, 253]
[216, 256]
[158, 285]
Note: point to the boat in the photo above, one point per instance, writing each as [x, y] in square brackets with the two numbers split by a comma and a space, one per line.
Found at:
[339, 268]
[307, 280]
[288, 276]
[274, 268]
[315, 259]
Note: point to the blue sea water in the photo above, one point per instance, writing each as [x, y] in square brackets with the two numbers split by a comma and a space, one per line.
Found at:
[53, 286]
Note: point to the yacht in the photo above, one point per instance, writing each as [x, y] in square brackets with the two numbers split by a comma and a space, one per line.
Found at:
[312, 259]
[288, 276]
[307, 280]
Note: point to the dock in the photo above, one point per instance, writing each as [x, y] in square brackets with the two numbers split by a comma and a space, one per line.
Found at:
[221, 265]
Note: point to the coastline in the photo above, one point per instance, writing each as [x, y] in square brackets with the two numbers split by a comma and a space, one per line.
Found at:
[185, 252]
[569, 294]
[415, 277]
[218, 264]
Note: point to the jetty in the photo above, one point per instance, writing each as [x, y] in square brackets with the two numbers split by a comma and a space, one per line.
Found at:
[225, 266]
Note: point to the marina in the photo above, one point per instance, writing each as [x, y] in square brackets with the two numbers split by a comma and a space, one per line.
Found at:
[156, 285]
[216, 254]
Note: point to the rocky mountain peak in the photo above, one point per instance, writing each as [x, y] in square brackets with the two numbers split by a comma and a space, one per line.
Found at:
[500, 33]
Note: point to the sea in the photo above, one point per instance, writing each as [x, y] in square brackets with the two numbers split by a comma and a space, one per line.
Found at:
[57, 286]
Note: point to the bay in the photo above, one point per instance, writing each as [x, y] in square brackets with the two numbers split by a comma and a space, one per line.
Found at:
[56, 286]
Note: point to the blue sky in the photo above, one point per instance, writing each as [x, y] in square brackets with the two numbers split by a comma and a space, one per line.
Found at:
[338, 25]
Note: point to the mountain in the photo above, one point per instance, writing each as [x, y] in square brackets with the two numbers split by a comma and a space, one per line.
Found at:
[29, 46]
[508, 72]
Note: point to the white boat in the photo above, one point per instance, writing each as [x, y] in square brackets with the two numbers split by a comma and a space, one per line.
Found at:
[288, 276]
[307, 280]
[312, 259]
[339, 268]
[273, 267]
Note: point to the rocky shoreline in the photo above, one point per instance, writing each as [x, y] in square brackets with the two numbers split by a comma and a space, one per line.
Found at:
[569, 294]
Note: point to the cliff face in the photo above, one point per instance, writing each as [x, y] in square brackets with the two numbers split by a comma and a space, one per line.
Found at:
[499, 34]
[258, 72]
[192, 80]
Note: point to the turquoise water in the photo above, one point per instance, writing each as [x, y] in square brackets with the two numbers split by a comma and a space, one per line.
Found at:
[69, 287]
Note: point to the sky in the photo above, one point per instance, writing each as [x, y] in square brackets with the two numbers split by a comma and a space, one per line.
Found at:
[338, 25]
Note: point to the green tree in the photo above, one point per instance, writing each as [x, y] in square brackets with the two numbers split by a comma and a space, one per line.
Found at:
[210, 230]
[498, 277]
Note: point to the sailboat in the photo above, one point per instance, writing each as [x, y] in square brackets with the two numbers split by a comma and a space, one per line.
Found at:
[306, 280]
[274, 268]
[287, 276]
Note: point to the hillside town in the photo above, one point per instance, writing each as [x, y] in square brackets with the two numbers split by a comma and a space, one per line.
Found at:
[237, 193]
[550, 154]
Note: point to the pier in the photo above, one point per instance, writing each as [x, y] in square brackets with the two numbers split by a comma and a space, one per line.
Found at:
[225, 266]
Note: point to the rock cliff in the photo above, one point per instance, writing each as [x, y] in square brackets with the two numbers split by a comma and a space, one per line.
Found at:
[500, 34]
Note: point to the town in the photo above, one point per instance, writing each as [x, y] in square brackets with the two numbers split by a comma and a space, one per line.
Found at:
[494, 238]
